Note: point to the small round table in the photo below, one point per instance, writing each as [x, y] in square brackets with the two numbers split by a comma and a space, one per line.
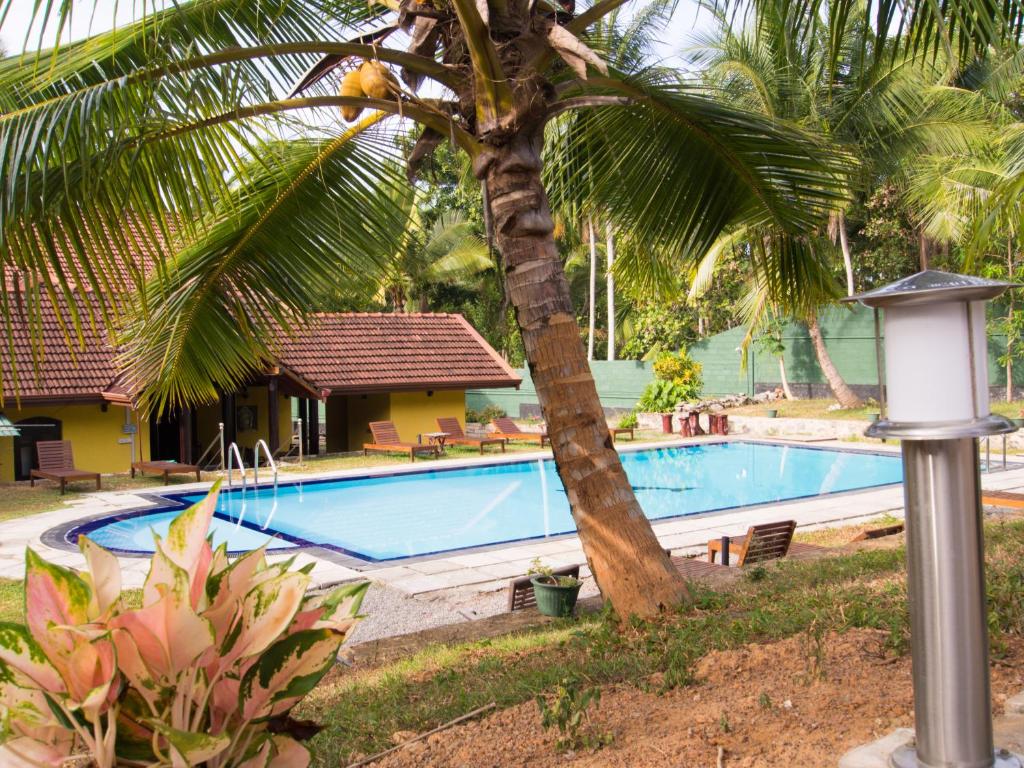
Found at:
[437, 438]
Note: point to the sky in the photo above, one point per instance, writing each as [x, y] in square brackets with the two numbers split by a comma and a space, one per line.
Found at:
[93, 16]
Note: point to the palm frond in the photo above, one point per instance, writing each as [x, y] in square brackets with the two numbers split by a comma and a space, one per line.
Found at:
[312, 215]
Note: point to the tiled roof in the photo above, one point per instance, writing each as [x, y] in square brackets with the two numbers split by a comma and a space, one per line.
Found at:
[376, 352]
[128, 268]
[338, 352]
[79, 371]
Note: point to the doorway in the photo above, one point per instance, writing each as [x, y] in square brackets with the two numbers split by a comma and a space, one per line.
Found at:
[33, 430]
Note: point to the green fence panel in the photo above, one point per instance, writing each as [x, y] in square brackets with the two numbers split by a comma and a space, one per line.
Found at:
[619, 385]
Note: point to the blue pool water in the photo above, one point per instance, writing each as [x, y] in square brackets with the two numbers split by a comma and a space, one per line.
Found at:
[417, 513]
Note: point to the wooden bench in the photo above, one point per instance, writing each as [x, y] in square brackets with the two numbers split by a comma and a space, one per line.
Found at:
[616, 431]
[768, 541]
[520, 591]
[165, 468]
[57, 463]
[1003, 499]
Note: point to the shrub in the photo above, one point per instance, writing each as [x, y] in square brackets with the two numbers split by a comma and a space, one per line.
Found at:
[628, 421]
[195, 677]
[681, 370]
[662, 397]
[485, 414]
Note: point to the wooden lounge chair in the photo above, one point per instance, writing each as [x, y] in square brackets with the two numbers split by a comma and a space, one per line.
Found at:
[768, 541]
[456, 436]
[57, 463]
[386, 440]
[164, 468]
[505, 428]
[520, 591]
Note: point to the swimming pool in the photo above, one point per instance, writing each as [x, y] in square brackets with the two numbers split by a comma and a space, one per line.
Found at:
[423, 512]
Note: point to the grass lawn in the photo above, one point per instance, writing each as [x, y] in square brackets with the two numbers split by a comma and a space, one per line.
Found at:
[12, 604]
[362, 709]
[818, 409]
[804, 409]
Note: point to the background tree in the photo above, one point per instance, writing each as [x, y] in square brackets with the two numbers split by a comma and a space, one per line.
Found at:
[869, 107]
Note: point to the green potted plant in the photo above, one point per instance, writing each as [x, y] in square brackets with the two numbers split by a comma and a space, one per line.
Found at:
[556, 595]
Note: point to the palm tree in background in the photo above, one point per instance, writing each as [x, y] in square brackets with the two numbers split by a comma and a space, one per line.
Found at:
[876, 109]
[206, 122]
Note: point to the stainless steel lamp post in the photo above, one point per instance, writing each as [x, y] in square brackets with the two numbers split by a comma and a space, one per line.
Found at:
[936, 371]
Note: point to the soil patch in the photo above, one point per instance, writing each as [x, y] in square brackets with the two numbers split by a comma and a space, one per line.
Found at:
[799, 702]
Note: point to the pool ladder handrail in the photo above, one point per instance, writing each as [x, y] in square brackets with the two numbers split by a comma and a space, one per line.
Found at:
[234, 453]
[256, 463]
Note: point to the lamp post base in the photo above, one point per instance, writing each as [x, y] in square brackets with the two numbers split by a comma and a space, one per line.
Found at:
[906, 757]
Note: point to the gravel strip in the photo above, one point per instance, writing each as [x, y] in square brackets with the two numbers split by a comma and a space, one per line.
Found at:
[391, 612]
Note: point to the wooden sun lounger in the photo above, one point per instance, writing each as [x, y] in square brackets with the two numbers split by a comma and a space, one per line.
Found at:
[164, 468]
[456, 436]
[507, 429]
[57, 463]
[520, 591]
[386, 440]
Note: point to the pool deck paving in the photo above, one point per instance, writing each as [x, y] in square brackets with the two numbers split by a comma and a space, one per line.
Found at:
[482, 569]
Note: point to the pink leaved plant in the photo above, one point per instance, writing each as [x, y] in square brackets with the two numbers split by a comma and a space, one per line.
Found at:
[194, 677]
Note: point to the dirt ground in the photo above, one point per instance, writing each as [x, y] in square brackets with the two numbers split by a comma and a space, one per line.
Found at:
[799, 702]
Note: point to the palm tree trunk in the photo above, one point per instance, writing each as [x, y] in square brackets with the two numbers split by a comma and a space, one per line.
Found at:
[844, 244]
[846, 396]
[593, 288]
[610, 276]
[631, 568]
[785, 379]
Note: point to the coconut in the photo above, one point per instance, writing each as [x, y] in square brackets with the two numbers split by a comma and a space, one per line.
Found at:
[351, 85]
[377, 80]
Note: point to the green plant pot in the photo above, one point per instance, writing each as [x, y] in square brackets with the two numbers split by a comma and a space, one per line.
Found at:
[772, 413]
[873, 416]
[1018, 423]
[553, 600]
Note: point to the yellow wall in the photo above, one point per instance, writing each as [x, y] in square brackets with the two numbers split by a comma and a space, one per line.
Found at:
[6, 459]
[416, 412]
[208, 417]
[362, 409]
[94, 435]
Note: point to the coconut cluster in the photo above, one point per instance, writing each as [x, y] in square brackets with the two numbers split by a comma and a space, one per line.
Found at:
[372, 80]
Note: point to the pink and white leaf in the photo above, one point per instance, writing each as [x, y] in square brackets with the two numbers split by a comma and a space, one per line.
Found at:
[104, 576]
[286, 672]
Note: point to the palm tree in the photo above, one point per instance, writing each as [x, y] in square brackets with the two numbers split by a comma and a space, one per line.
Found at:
[871, 108]
[188, 123]
[447, 253]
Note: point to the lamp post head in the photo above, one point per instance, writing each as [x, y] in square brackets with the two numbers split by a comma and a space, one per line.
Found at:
[936, 356]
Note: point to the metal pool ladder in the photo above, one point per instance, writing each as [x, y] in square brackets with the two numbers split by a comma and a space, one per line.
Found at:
[235, 455]
[256, 463]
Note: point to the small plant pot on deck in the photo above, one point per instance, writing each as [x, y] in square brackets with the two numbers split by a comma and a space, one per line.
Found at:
[666, 423]
[554, 599]
[1018, 423]
[873, 416]
[772, 413]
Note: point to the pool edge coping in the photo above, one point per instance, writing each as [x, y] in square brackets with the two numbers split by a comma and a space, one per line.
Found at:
[56, 536]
